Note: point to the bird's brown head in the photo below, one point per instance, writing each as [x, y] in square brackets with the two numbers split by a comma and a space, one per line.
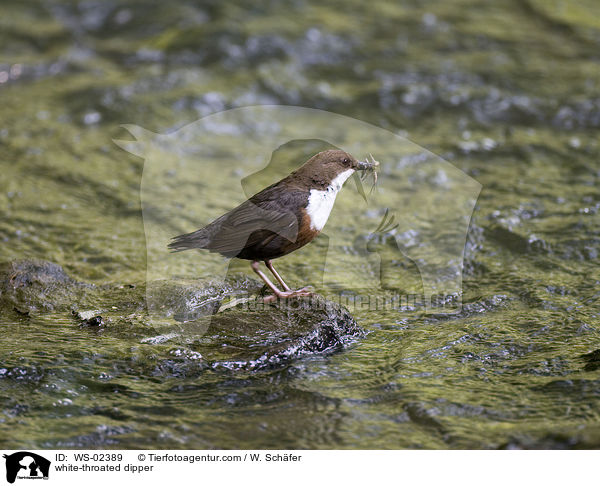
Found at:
[330, 166]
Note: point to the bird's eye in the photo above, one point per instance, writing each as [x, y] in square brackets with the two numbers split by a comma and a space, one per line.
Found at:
[346, 161]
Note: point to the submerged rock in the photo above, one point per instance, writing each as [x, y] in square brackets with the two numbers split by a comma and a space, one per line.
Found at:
[86, 315]
[34, 285]
[201, 329]
[89, 318]
[190, 326]
[254, 335]
[187, 301]
[592, 360]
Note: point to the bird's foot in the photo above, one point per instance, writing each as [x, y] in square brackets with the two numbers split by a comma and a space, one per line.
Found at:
[303, 292]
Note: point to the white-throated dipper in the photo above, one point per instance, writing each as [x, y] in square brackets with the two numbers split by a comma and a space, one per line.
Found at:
[279, 219]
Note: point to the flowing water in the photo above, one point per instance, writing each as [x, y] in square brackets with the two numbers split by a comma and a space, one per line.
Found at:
[506, 92]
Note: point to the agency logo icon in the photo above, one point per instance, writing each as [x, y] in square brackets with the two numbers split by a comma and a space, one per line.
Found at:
[26, 465]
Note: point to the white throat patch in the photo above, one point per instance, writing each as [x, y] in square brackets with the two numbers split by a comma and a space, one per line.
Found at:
[320, 203]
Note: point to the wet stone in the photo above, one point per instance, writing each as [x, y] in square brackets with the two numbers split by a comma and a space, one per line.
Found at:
[260, 336]
[189, 325]
[592, 360]
[95, 321]
[86, 315]
[252, 335]
[37, 285]
[187, 301]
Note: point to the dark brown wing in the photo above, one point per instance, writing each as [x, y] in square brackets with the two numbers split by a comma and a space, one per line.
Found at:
[254, 223]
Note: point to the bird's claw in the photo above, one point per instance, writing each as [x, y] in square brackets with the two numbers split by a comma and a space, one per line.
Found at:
[303, 292]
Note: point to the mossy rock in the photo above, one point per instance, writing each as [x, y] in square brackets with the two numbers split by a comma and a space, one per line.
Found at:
[28, 286]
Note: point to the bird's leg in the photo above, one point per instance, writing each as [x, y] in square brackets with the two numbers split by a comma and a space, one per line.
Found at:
[271, 285]
[270, 266]
[278, 293]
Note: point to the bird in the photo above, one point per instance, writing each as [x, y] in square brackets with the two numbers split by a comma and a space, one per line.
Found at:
[280, 219]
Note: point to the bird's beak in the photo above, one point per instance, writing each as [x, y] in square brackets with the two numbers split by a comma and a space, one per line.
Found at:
[368, 164]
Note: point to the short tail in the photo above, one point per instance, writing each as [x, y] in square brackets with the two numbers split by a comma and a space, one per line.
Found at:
[197, 239]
